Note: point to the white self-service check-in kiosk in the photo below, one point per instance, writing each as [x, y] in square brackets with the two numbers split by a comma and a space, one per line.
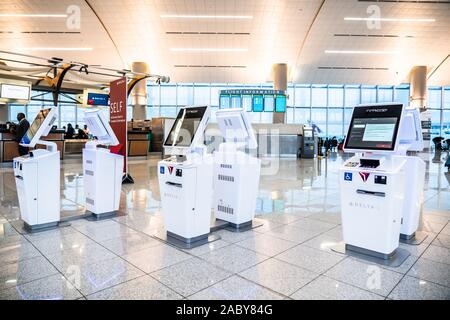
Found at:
[37, 175]
[382, 186]
[373, 181]
[236, 173]
[102, 169]
[185, 180]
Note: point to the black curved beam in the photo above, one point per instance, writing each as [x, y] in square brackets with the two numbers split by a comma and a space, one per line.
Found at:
[133, 83]
[57, 81]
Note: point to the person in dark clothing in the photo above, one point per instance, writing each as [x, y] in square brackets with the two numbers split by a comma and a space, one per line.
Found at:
[70, 132]
[80, 133]
[21, 129]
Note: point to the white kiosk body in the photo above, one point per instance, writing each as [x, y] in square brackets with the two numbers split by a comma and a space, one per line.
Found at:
[37, 176]
[185, 179]
[102, 169]
[236, 173]
[373, 181]
[411, 139]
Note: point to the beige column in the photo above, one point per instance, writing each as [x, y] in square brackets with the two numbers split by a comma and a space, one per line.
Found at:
[139, 93]
[280, 76]
[418, 99]
[418, 80]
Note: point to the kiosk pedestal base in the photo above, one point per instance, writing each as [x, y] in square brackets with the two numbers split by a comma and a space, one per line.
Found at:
[40, 227]
[415, 239]
[185, 243]
[25, 228]
[394, 259]
[103, 216]
[242, 227]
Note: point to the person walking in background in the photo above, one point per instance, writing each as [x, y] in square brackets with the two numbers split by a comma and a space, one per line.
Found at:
[22, 128]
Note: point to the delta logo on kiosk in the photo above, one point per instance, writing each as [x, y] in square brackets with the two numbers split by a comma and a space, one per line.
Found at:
[364, 176]
[170, 169]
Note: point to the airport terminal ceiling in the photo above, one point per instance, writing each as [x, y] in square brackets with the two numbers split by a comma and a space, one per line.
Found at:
[218, 41]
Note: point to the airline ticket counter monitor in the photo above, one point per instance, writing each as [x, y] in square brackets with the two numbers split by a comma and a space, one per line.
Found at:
[373, 189]
[236, 173]
[102, 169]
[37, 176]
[185, 181]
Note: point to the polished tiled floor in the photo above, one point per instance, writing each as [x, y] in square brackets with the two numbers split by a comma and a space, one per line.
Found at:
[289, 257]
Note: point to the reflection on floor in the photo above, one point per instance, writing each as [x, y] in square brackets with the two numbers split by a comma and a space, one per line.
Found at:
[289, 257]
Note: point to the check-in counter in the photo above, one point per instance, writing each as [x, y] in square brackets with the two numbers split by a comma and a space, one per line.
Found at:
[9, 147]
[274, 140]
[138, 143]
[75, 146]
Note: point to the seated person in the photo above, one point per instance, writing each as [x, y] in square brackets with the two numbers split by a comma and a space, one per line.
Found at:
[70, 133]
[81, 134]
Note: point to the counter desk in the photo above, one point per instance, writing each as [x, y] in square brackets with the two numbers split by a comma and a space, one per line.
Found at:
[138, 143]
[9, 147]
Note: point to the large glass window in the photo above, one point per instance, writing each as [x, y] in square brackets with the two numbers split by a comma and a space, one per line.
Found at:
[185, 95]
[168, 95]
[401, 94]
[385, 94]
[352, 96]
[335, 96]
[368, 94]
[202, 95]
[67, 115]
[302, 96]
[319, 96]
[153, 95]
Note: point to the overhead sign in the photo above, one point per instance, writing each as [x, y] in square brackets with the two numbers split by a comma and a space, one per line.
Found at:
[118, 116]
[253, 91]
[96, 98]
[15, 92]
[256, 100]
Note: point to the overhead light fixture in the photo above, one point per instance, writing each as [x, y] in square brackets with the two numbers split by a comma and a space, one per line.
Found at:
[389, 19]
[201, 16]
[360, 52]
[209, 49]
[26, 15]
[53, 49]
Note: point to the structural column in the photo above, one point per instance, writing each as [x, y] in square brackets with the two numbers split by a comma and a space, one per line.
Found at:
[139, 93]
[418, 80]
[280, 77]
[418, 99]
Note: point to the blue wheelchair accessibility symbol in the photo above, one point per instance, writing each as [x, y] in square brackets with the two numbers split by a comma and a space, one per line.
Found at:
[348, 176]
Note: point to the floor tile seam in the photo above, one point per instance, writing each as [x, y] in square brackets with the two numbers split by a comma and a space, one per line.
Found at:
[54, 266]
[409, 269]
[348, 284]
[212, 285]
[266, 257]
[114, 285]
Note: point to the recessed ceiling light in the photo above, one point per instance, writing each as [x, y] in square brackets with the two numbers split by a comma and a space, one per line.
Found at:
[25, 15]
[54, 49]
[201, 16]
[389, 19]
[209, 49]
[360, 52]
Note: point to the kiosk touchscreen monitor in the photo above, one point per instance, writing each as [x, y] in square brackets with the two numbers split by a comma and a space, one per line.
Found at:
[100, 127]
[374, 128]
[235, 127]
[186, 125]
[40, 127]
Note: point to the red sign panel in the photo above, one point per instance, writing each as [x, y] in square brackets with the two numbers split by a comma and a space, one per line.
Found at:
[118, 116]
